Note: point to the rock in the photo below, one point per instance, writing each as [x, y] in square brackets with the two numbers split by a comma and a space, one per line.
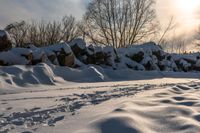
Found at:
[110, 56]
[197, 65]
[99, 55]
[53, 59]
[159, 54]
[78, 47]
[38, 58]
[138, 57]
[52, 121]
[66, 59]
[14, 58]
[149, 63]
[60, 54]
[24, 52]
[2, 63]
[167, 65]
[183, 65]
[5, 41]
[17, 122]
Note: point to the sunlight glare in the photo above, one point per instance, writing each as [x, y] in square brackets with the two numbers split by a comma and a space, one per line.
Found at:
[188, 6]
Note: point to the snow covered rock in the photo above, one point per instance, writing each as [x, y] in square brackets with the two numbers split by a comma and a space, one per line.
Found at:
[167, 65]
[133, 65]
[183, 65]
[149, 47]
[5, 41]
[78, 47]
[38, 57]
[24, 52]
[139, 52]
[60, 53]
[101, 55]
[10, 58]
[137, 56]
[197, 65]
[150, 63]
[191, 58]
[110, 56]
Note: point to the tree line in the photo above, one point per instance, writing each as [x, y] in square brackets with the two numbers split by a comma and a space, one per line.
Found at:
[118, 23]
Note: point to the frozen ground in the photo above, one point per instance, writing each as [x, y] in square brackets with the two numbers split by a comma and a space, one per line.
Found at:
[152, 102]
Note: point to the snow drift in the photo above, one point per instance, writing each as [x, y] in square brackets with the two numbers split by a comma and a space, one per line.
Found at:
[44, 74]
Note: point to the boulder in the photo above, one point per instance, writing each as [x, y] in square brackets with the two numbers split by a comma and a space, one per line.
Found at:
[159, 54]
[24, 52]
[78, 47]
[61, 54]
[150, 63]
[90, 58]
[5, 41]
[11, 58]
[110, 56]
[53, 59]
[138, 57]
[167, 65]
[38, 57]
[197, 65]
[66, 59]
[99, 55]
[2, 63]
[183, 65]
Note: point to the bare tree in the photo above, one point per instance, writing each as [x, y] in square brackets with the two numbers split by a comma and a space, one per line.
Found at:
[44, 33]
[18, 31]
[174, 45]
[197, 38]
[171, 25]
[119, 22]
[69, 28]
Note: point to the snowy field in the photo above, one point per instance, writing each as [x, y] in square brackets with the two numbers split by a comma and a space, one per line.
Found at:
[49, 99]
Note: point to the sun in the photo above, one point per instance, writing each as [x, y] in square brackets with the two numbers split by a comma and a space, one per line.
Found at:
[188, 6]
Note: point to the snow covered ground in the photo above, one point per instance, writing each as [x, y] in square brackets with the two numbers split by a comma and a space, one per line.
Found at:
[51, 99]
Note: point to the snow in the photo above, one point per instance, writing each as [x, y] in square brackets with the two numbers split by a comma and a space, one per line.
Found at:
[37, 54]
[21, 51]
[11, 58]
[79, 42]
[2, 33]
[57, 48]
[171, 109]
[146, 48]
[5, 33]
[98, 98]
[150, 46]
[185, 64]
[152, 102]
[191, 57]
[198, 63]
[146, 57]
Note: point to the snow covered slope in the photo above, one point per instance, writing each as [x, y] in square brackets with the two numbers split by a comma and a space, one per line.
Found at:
[174, 109]
[147, 106]
[44, 74]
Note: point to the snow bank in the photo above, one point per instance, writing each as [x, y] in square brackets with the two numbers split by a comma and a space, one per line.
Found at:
[10, 58]
[145, 57]
[43, 74]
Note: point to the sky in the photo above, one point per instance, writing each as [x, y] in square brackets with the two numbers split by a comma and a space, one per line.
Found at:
[184, 12]
[15, 10]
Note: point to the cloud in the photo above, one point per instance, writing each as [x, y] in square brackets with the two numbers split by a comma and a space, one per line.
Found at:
[15, 10]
